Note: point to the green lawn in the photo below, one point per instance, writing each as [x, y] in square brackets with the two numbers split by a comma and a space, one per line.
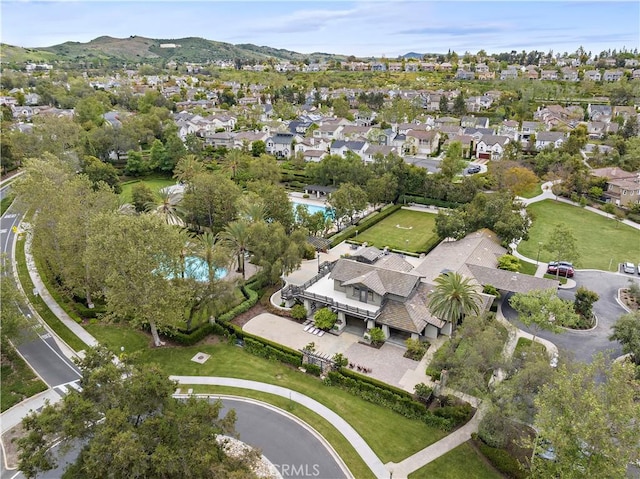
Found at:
[603, 243]
[154, 183]
[450, 466]
[404, 230]
[535, 191]
[19, 382]
[391, 436]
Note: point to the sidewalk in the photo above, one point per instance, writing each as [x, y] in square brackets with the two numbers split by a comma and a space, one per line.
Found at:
[51, 303]
[13, 416]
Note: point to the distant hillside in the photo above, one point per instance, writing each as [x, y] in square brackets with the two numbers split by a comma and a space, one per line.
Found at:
[136, 49]
[413, 55]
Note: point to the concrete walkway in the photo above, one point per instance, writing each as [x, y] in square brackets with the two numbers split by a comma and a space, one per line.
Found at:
[359, 444]
[51, 303]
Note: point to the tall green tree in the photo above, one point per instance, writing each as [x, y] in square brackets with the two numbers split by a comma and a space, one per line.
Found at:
[130, 426]
[134, 258]
[347, 201]
[626, 330]
[210, 201]
[543, 309]
[454, 297]
[562, 244]
[169, 209]
[588, 414]
[236, 237]
[452, 164]
[187, 168]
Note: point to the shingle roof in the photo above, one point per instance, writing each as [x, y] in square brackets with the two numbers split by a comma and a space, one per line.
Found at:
[508, 280]
[412, 315]
[393, 282]
[395, 262]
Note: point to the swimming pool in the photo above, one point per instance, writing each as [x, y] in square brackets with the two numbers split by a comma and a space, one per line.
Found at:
[328, 212]
[197, 268]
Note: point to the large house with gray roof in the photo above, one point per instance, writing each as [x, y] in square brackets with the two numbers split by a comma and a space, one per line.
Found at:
[377, 288]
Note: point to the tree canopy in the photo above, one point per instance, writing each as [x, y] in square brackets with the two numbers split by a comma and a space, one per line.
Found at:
[128, 425]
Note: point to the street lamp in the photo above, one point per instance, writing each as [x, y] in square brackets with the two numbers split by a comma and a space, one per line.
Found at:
[538, 257]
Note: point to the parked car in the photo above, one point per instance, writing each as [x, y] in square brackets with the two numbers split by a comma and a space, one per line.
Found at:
[561, 268]
[629, 267]
[474, 169]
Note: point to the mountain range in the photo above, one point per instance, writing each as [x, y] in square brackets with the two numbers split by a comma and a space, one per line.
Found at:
[137, 49]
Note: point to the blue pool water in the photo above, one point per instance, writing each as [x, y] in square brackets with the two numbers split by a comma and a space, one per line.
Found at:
[198, 269]
[328, 212]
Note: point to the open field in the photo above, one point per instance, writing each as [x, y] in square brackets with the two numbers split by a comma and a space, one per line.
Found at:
[603, 242]
[154, 183]
[404, 230]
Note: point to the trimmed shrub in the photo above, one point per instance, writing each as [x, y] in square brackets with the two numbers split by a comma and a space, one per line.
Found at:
[192, 337]
[313, 369]
[501, 460]
[260, 349]
[406, 406]
[508, 262]
[376, 335]
[325, 318]
[299, 312]
[459, 414]
[252, 298]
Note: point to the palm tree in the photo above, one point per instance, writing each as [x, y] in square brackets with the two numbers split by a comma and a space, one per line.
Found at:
[236, 236]
[187, 168]
[169, 209]
[208, 248]
[454, 297]
[233, 161]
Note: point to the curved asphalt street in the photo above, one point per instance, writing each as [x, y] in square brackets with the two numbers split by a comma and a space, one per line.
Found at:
[40, 350]
[287, 444]
[582, 345]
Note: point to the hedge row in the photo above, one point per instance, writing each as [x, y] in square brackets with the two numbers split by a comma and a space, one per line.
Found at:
[363, 224]
[239, 333]
[501, 459]
[386, 398]
[259, 348]
[421, 200]
[252, 298]
[192, 337]
[374, 382]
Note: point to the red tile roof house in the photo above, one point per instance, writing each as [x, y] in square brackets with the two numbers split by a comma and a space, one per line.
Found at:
[376, 288]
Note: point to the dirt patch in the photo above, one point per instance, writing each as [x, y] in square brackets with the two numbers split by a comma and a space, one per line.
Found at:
[245, 317]
[10, 447]
[629, 300]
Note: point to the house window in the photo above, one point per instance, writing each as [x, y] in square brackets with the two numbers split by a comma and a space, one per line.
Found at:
[356, 292]
[370, 295]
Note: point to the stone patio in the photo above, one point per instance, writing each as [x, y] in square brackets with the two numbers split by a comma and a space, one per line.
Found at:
[387, 364]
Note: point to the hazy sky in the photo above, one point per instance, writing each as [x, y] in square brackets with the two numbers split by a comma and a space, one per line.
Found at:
[360, 28]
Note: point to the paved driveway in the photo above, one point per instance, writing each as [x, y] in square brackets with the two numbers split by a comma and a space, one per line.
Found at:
[582, 345]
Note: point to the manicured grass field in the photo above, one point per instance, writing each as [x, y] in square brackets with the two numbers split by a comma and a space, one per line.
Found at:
[450, 466]
[154, 183]
[404, 230]
[603, 242]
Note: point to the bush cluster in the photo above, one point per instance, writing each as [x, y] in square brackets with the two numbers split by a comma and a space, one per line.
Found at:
[313, 369]
[386, 397]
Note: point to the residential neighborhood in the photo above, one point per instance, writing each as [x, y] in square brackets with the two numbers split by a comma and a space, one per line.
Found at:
[434, 252]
